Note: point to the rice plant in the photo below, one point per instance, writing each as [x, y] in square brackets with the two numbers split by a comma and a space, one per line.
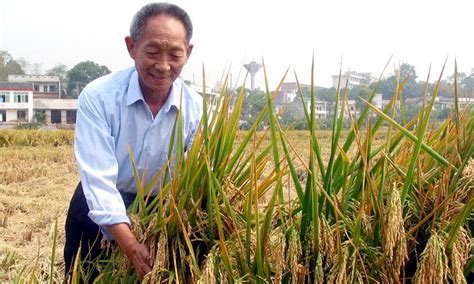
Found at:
[396, 211]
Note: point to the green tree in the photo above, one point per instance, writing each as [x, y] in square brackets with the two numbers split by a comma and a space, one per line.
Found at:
[412, 89]
[9, 66]
[82, 74]
[327, 95]
[468, 85]
[359, 94]
[253, 104]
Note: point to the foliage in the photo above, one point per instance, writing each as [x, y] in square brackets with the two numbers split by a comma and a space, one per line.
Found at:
[387, 87]
[40, 117]
[14, 138]
[9, 66]
[386, 205]
[82, 74]
[28, 125]
[378, 214]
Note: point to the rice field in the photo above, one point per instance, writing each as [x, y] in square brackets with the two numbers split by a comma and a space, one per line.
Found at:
[374, 204]
[37, 180]
[36, 184]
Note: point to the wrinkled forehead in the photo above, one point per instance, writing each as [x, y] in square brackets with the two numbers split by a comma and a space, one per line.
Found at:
[164, 25]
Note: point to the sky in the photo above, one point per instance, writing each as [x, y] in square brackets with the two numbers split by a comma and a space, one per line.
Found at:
[359, 35]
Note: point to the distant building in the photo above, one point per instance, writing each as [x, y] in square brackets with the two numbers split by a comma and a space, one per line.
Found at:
[16, 101]
[320, 108]
[211, 96]
[447, 103]
[44, 87]
[353, 78]
[381, 104]
[57, 111]
[289, 91]
[350, 109]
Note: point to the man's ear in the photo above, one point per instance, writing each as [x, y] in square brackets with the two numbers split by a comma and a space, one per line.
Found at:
[189, 49]
[130, 46]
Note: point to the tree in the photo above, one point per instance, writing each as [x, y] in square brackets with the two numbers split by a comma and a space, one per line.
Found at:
[412, 89]
[327, 95]
[361, 93]
[82, 74]
[468, 85]
[9, 66]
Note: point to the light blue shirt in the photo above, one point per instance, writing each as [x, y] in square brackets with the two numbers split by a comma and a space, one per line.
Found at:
[112, 114]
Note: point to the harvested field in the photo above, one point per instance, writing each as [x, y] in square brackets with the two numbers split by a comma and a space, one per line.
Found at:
[36, 184]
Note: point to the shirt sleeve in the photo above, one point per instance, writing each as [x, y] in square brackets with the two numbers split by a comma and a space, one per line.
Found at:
[94, 148]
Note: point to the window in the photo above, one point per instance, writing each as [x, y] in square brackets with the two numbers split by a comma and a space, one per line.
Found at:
[21, 115]
[53, 88]
[37, 88]
[4, 97]
[3, 115]
[70, 116]
[56, 116]
[20, 97]
[45, 88]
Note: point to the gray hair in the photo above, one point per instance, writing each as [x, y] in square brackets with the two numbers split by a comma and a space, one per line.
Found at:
[160, 8]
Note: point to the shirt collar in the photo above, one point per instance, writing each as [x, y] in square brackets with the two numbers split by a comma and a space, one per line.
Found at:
[135, 94]
[174, 96]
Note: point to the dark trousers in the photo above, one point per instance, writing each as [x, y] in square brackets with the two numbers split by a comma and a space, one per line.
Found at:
[82, 232]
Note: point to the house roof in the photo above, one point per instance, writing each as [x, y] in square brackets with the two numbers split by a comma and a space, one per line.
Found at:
[33, 78]
[14, 86]
[412, 100]
[55, 104]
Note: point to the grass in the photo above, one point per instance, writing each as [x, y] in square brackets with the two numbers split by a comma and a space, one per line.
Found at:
[373, 204]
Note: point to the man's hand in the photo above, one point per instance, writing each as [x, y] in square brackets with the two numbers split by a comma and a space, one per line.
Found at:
[137, 252]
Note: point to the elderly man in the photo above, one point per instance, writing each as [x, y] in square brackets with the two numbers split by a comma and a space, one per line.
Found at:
[136, 107]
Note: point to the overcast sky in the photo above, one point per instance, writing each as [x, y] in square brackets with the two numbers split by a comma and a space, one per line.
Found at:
[364, 33]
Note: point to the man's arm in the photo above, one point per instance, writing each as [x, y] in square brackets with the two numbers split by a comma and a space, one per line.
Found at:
[137, 252]
[98, 167]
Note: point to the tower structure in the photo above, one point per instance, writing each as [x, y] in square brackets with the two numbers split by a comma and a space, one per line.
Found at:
[252, 67]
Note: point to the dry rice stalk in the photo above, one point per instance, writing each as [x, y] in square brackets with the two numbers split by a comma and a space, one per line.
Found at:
[277, 246]
[459, 256]
[469, 170]
[293, 255]
[394, 240]
[319, 273]
[338, 273]
[161, 258]
[433, 264]
[327, 243]
[136, 227]
[208, 275]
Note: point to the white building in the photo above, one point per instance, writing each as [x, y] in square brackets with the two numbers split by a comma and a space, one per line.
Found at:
[211, 96]
[320, 108]
[353, 78]
[381, 104]
[44, 87]
[57, 111]
[350, 109]
[16, 102]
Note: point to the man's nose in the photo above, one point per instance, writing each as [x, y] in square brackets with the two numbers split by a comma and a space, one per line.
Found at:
[162, 65]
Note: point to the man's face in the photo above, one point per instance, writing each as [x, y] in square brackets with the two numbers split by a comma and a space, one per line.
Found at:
[160, 53]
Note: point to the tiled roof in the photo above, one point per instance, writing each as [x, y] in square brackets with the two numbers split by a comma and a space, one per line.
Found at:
[54, 104]
[13, 86]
